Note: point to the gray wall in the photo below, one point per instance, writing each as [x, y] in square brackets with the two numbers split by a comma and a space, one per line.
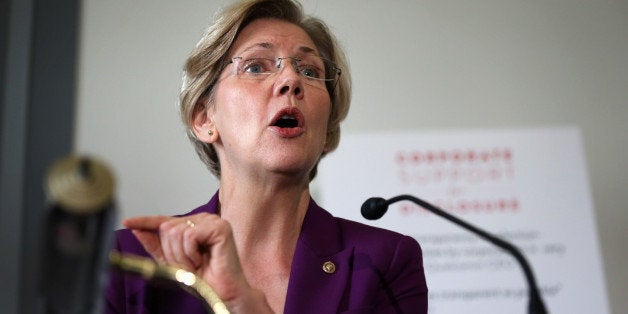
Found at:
[37, 81]
[420, 65]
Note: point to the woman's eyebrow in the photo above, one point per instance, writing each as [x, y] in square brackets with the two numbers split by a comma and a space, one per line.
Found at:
[306, 49]
[269, 46]
[262, 45]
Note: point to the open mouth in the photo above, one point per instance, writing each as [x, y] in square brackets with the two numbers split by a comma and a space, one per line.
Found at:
[288, 118]
[287, 121]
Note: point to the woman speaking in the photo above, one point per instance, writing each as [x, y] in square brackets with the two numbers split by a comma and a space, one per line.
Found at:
[263, 96]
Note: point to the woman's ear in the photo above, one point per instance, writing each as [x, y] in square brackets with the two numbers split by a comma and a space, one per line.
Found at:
[203, 124]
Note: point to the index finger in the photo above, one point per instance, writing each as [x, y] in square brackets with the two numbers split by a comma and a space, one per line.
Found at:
[145, 222]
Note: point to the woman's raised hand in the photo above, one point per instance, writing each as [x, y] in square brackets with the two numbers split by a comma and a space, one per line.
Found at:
[203, 244]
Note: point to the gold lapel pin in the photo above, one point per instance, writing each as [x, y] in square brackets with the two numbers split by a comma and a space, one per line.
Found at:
[329, 267]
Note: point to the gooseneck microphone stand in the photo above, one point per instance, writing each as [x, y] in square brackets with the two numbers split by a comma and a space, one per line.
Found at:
[375, 207]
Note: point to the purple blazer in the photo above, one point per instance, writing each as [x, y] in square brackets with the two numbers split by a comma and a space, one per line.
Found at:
[376, 271]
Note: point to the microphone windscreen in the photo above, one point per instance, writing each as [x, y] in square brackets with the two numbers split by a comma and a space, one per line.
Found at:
[374, 208]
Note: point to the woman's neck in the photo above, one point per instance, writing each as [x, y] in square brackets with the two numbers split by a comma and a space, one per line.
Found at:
[264, 217]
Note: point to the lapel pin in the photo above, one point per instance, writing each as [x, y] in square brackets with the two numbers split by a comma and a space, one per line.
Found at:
[329, 267]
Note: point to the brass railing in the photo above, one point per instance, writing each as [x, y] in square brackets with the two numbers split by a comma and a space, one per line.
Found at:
[149, 270]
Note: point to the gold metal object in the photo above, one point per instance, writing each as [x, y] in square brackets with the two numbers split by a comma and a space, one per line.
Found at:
[82, 185]
[190, 223]
[329, 267]
[148, 269]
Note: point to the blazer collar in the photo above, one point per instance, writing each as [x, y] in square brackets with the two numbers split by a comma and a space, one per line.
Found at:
[319, 233]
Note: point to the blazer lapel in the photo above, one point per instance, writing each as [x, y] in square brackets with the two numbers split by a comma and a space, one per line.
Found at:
[320, 267]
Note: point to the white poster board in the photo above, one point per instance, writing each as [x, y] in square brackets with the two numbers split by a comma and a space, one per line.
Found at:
[529, 186]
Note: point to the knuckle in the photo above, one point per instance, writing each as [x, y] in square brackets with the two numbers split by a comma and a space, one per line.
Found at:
[189, 234]
[167, 228]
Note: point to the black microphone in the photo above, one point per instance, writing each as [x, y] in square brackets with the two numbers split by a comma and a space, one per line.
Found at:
[375, 207]
[78, 230]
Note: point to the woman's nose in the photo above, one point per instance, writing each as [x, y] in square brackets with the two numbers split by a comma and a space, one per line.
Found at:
[289, 80]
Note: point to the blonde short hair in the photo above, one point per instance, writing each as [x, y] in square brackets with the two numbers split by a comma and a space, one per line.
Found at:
[207, 60]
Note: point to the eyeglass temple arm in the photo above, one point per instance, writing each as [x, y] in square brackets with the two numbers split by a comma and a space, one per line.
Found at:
[149, 269]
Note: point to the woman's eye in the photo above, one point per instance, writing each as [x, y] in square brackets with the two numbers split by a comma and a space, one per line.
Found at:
[310, 71]
[255, 66]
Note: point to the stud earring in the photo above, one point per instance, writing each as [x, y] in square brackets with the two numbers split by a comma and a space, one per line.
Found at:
[210, 132]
